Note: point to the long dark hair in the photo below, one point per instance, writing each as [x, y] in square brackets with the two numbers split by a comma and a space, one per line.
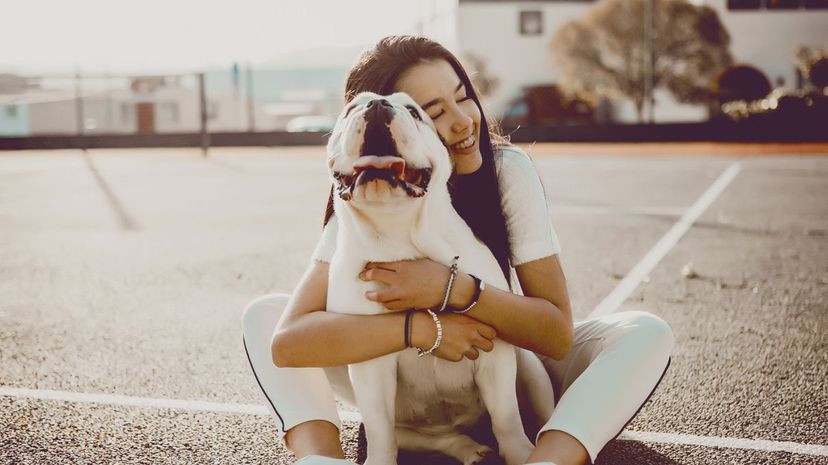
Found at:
[475, 197]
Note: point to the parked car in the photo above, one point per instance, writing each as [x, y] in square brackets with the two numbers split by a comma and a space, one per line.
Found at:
[546, 105]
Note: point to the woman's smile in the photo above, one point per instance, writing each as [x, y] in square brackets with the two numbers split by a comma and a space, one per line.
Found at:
[466, 146]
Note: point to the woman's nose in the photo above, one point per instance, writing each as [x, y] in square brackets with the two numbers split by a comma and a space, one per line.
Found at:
[461, 123]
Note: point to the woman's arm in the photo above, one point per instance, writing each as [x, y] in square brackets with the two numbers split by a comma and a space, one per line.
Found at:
[307, 335]
[540, 321]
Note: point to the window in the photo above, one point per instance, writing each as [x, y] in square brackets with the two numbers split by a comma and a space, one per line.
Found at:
[212, 110]
[743, 4]
[777, 4]
[531, 23]
[782, 4]
[168, 112]
[127, 110]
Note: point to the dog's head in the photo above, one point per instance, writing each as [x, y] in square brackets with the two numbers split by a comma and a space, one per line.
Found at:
[385, 149]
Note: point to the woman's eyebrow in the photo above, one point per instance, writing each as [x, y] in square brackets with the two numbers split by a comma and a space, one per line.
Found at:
[437, 100]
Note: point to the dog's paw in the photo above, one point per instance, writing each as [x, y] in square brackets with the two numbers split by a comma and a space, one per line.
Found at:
[483, 455]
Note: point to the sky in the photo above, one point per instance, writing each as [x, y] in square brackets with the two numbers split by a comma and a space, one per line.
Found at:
[60, 36]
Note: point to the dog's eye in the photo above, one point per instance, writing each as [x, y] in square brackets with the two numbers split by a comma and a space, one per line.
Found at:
[414, 112]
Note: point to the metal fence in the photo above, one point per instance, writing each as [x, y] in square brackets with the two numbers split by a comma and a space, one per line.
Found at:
[237, 100]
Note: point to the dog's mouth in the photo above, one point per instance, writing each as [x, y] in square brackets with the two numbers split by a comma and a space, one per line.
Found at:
[389, 168]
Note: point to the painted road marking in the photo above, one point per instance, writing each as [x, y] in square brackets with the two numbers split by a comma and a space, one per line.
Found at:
[726, 443]
[355, 417]
[615, 210]
[631, 281]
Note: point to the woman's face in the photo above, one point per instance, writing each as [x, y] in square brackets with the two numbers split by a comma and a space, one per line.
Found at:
[437, 89]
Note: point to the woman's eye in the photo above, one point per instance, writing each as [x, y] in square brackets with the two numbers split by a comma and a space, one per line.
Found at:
[415, 113]
[441, 113]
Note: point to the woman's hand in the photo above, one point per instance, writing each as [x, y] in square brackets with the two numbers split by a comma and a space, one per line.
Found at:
[417, 283]
[463, 336]
[422, 284]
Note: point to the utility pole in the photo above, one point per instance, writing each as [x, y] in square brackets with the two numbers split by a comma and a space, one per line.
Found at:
[79, 107]
[649, 40]
[78, 104]
[251, 104]
[202, 98]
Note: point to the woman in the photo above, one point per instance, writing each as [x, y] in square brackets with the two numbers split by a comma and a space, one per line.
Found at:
[602, 369]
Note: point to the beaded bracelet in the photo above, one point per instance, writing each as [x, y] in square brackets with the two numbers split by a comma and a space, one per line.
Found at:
[452, 277]
[421, 352]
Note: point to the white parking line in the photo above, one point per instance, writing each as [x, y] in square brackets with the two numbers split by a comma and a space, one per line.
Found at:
[354, 417]
[726, 443]
[613, 210]
[630, 282]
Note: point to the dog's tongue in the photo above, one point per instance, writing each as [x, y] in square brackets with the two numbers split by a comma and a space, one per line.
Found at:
[386, 162]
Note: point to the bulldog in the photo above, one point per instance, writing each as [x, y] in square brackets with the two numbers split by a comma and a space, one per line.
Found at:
[390, 172]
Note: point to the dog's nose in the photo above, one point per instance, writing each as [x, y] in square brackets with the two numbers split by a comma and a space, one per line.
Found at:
[379, 111]
[380, 101]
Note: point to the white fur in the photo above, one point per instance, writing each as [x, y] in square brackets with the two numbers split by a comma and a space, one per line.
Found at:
[418, 403]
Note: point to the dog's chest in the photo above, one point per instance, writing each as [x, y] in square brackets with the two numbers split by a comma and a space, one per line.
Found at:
[436, 395]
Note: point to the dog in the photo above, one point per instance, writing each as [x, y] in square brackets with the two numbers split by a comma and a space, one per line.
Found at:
[390, 171]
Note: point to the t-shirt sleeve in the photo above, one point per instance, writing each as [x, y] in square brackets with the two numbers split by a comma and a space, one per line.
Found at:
[327, 242]
[529, 224]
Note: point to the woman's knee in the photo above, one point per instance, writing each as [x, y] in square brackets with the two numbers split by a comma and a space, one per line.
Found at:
[651, 330]
[264, 310]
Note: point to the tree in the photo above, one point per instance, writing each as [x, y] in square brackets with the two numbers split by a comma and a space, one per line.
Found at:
[482, 79]
[606, 53]
[740, 82]
[813, 64]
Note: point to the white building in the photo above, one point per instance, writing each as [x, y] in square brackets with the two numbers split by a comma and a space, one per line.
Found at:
[167, 108]
[513, 37]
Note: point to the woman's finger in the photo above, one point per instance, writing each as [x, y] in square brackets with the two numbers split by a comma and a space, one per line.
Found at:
[487, 331]
[388, 266]
[383, 296]
[472, 354]
[378, 274]
[484, 344]
[395, 305]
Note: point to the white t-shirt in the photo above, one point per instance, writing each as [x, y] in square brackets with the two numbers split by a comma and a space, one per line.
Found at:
[528, 223]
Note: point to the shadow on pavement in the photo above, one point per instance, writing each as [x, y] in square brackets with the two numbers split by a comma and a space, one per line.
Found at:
[631, 452]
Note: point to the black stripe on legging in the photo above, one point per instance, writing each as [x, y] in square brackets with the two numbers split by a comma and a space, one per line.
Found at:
[669, 359]
[260, 385]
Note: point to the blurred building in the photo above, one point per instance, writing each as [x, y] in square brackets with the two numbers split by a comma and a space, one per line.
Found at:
[513, 37]
[141, 105]
[152, 104]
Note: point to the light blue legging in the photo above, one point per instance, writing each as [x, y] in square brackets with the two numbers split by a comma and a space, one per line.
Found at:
[615, 363]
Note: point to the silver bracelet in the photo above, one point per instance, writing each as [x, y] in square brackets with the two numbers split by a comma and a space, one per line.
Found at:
[479, 287]
[421, 352]
[452, 277]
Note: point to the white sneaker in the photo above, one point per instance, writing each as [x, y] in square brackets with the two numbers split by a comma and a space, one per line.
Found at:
[320, 460]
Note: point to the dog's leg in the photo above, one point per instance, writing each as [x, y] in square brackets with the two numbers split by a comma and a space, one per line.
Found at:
[375, 388]
[456, 445]
[495, 377]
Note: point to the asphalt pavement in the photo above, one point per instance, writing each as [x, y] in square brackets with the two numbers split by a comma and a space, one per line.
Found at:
[123, 275]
